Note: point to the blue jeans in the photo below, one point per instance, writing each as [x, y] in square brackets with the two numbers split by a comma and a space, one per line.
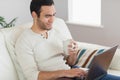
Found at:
[110, 77]
[105, 77]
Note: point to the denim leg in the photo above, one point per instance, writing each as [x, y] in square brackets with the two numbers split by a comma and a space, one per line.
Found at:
[110, 77]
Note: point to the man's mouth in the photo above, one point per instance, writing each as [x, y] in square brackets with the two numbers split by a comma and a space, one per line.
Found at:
[49, 25]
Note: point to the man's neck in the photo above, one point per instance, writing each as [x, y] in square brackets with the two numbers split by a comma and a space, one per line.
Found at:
[43, 33]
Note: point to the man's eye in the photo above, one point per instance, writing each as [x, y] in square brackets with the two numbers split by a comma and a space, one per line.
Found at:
[47, 16]
[54, 14]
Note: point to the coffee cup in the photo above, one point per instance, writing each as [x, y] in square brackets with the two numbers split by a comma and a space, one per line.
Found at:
[66, 43]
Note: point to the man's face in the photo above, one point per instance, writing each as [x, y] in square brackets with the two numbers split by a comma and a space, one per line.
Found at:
[46, 18]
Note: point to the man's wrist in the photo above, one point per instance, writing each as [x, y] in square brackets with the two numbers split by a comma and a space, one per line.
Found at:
[62, 73]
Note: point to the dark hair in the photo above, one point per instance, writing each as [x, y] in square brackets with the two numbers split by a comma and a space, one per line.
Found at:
[36, 5]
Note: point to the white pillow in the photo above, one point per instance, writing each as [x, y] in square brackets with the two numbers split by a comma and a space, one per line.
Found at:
[115, 64]
[86, 55]
[7, 69]
[11, 35]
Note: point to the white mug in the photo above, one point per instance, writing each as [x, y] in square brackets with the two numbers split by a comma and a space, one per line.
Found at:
[65, 46]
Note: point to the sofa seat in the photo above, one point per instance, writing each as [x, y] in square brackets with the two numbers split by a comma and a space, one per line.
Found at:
[114, 72]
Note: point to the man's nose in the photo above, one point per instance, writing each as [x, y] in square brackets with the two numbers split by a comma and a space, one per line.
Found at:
[51, 19]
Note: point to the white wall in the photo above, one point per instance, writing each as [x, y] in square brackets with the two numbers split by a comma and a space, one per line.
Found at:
[15, 8]
[109, 35]
[61, 8]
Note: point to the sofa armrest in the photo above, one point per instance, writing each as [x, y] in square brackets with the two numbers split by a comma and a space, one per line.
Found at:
[114, 72]
[90, 45]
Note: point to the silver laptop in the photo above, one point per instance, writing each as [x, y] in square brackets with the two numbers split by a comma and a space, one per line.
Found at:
[100, 64]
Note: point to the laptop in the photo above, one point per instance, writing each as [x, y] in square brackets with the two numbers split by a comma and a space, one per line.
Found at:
[100, 64]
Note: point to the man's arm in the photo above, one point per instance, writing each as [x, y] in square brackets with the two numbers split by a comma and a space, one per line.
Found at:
[54, 75]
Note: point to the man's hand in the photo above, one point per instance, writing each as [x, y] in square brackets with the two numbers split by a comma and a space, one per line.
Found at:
[75, 72]
[72, 50]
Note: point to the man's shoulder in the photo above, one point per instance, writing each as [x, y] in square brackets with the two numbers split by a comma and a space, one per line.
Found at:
[24, 35]
[24, 39]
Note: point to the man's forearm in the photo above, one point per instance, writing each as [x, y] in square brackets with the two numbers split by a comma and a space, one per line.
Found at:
[61, 74]
[50, 75]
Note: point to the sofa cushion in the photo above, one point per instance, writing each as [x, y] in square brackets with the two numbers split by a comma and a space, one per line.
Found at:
[11, 35]
[115, 72]
[86, 55]
[115, 64]
[7, 69]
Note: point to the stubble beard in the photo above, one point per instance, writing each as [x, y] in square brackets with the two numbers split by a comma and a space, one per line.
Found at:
[43, 26]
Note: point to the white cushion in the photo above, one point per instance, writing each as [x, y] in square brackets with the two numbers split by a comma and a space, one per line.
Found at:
[86, 55]
[11, 35]
[7, 70]
[115, 64]
[60, 25]
[114, 72]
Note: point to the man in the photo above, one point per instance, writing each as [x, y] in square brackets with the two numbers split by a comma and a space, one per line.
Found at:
[39, 49]
[42, 63]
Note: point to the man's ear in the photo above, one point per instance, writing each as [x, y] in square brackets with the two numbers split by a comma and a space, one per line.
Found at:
[34, 15]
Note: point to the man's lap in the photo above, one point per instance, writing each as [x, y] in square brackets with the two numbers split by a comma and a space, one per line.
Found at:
[106, 77]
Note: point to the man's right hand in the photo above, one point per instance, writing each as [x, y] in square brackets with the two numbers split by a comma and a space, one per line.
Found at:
[75, 72]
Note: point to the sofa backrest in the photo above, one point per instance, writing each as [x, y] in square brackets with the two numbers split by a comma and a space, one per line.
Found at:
[7, 70]
[10, 36]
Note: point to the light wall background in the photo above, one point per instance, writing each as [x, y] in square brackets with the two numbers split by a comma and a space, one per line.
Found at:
[108, 36]
[10, 9]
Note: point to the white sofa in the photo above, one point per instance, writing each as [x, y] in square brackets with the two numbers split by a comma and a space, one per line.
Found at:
[9, 36]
